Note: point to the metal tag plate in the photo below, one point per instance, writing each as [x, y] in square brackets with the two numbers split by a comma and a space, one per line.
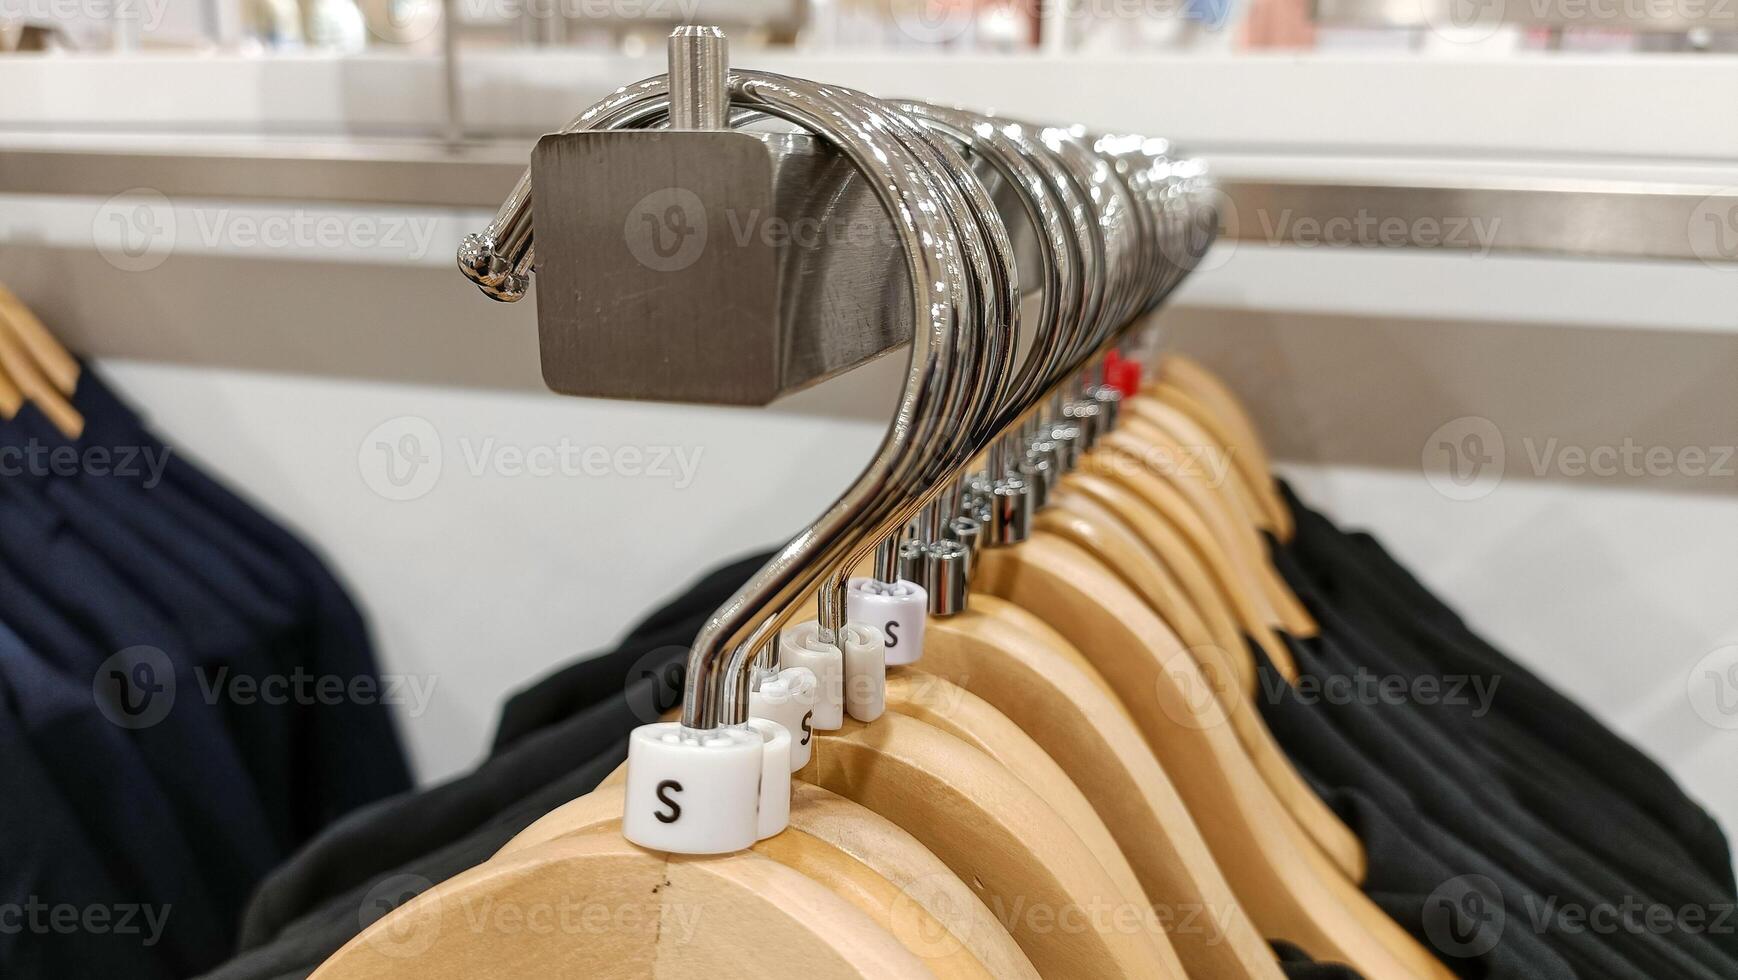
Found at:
[720, 267]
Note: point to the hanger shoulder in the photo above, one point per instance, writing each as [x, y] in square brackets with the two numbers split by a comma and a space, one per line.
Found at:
[56, 362]
[1084, 521]
[34, 385]
[597, 810]
[1189, 376]
[1016, 661]
[918, 874]
[1251, 460]
[660, 915]
[993, 831]
[1228, 476]
[1241, 538]
[1261, 850]
[880, 869]
[951, 708]
[1231, 671]
[11, 398]
[1174, 553]
[916, 928]
[1120, 459]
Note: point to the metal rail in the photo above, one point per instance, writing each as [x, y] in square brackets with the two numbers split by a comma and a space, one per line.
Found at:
[1562, 216]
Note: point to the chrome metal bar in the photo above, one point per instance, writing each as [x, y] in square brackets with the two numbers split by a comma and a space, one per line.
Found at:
[422, 174]
[1628, 219]
[1603, 219]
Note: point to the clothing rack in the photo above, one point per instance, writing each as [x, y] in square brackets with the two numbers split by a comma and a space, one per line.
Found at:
[930, 224]
[1066, 664]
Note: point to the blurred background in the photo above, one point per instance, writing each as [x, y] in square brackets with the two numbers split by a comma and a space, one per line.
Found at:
[1424, 27]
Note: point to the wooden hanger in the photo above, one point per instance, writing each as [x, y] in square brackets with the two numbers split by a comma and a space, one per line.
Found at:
[1175, 555]
[918, 874]
[1189, 377]
[11, 399]
[1251, 461]
[1120, 458]
[999, 837]
[1321, 823]
[1083, 520]
[1241, 538]
[1077, 518]
[57, 363]
[949, 708]
[1041, 847]
[941, 703]
[1015, 661]
[1218, 506]
[594, 905]
[1193, 500]
[1289, 888]
[34, 385]
[915, 926]
[938, 703]
[1181, 426]
[858, 855]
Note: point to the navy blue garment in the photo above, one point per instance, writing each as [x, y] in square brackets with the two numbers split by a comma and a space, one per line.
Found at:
[189, 749]
[124, 814]
[62, 917]
[233, 659]
[351, 752]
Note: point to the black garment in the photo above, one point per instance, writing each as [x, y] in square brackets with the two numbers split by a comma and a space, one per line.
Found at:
[1472, 805]
[585, 682]
[541, 771]
[1431, 752]
[1570, 791]
[400, 830]
[1589, 820]
[1355, 573]
[546, 729]
[1297, 965]
[1417, 872]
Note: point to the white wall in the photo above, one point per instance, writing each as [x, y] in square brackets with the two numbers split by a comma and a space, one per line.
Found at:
[490, 579]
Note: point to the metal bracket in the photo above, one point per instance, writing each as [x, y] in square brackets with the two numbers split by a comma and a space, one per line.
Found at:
[714, 266]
